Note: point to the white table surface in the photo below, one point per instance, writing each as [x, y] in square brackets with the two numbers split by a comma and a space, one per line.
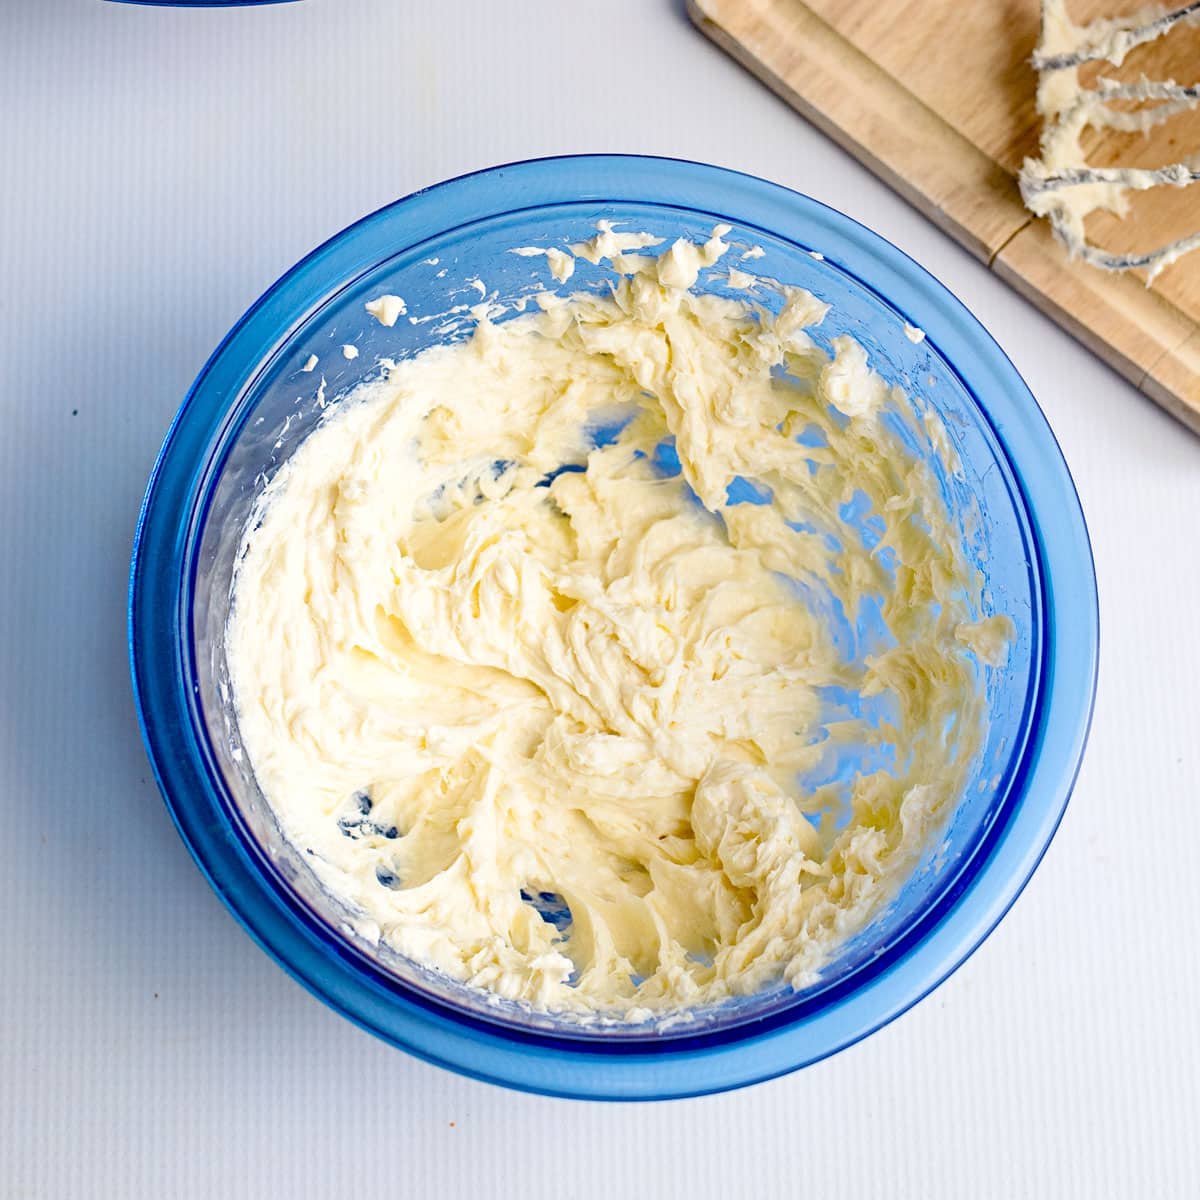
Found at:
[161, 168]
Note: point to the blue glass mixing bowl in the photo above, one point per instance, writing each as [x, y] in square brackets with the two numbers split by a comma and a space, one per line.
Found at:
[253, 403]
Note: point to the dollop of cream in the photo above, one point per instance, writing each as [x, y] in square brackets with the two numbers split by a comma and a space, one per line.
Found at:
[534, 646]
[387, 310]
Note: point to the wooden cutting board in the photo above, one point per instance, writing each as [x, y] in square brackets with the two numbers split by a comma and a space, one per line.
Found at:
[937, 98]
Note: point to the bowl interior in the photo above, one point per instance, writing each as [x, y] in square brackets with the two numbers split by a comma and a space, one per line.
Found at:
[440, 278]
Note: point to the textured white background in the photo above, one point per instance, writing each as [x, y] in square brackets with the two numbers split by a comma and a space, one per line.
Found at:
[161, 168]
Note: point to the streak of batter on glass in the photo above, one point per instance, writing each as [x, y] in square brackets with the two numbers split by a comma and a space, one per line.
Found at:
[533, 643]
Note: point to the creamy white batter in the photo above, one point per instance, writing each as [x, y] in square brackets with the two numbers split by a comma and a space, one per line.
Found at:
[545, 731]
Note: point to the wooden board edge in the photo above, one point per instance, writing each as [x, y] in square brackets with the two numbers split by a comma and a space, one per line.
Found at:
[1174, 382]
[1132, 329]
